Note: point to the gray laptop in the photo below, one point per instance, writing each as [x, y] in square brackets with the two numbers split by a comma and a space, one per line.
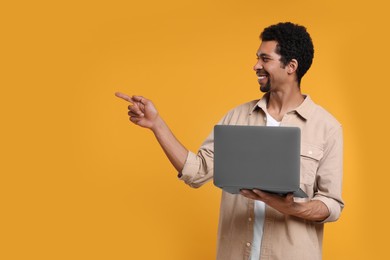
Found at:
[257, 157]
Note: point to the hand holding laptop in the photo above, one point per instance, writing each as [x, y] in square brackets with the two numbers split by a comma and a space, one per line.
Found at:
[283, 204]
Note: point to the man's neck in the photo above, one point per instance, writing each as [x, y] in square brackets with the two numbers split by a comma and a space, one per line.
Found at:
[283, 101]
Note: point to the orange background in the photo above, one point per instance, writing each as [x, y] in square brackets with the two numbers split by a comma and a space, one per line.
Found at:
[78, 181]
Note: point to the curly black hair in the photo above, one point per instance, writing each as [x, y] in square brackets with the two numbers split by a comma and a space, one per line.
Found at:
[294, 42]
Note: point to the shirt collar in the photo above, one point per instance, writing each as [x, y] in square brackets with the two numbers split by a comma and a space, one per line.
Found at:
[304, 109]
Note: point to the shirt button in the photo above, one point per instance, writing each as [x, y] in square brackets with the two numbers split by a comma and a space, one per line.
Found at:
[250, 219]
[248, 244]
[310, 152]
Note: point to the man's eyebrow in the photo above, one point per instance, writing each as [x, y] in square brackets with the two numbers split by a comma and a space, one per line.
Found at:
[262, 55]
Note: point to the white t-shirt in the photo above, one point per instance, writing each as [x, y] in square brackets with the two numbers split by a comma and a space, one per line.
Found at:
[260, 212]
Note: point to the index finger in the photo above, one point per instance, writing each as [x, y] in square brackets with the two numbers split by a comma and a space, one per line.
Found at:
[124, 96]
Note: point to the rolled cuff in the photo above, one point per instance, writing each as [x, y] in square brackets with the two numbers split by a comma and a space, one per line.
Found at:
[333, 206]
[190, 169]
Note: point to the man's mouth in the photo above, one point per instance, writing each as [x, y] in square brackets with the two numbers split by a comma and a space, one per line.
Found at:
[261, 77]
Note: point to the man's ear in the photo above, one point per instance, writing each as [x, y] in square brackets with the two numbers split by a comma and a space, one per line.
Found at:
[292, 66]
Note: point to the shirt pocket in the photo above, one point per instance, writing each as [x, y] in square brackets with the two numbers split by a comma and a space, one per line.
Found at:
[310, 157]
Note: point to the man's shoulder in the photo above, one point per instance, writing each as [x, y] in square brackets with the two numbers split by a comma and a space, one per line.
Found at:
[240, 113]
[325, 116]
[323, 119]
[246, 108]
[320, 124]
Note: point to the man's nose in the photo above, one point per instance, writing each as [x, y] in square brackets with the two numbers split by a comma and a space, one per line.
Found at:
[258, 65]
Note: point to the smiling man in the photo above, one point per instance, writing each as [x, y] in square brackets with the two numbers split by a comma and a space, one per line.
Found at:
[256, 224]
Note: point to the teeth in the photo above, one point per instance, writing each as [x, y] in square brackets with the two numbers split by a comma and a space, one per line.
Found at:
[261, 77]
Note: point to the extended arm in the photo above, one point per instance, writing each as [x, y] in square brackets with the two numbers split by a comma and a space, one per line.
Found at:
[143, 113]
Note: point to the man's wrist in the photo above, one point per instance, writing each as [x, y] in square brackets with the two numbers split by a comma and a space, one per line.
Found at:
[312, 210]
[157, 125]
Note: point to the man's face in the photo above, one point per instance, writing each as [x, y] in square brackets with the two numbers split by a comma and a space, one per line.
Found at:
[270, 71]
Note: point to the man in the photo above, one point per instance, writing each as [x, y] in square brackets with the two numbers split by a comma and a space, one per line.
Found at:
[256, 224]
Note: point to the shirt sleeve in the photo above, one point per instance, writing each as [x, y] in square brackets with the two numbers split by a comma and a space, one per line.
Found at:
[198, 168]
[329, 175]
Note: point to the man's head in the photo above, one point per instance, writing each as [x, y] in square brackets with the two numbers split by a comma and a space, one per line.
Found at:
[293, 44]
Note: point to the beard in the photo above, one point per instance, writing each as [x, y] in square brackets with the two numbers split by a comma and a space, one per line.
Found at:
[265, 87]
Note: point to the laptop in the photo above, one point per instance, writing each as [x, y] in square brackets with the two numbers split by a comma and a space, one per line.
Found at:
[257, 157]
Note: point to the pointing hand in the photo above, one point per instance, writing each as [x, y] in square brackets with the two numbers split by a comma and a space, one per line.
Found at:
[141, 110]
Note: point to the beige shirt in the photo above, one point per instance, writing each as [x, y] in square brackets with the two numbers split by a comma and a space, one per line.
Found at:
[285, 237]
